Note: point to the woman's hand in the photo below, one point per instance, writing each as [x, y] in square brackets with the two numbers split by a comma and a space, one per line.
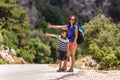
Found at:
[49, 26]
[74, 43]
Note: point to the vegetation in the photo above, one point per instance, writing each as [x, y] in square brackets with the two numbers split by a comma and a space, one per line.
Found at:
[102, 37]
[102, 41]
[16, 33]
[115, 10]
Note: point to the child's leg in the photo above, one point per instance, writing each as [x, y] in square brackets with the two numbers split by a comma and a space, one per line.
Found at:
[65, 62]
[60, 64]
[60, 59]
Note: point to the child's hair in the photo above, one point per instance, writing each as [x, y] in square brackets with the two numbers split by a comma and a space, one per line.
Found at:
[63, 30]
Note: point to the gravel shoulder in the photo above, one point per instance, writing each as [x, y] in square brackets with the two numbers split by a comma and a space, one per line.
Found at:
[94, 75]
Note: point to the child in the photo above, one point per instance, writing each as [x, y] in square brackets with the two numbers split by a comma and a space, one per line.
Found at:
[63, 49]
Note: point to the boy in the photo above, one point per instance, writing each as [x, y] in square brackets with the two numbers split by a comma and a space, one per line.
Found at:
[62, 48]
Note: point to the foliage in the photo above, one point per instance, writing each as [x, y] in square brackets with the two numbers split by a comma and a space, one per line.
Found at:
[109, 62]
[117, 53]
[2, 62]
[42, 51]
[81, 19]
[101, 31]
[52, 13]
[99, 3]
[41, 5]
[41, 24]
[16, 33]
[10, 39]
[102, 37]
[114, 10]
[59, 2]
[1, 38]
[54, 49]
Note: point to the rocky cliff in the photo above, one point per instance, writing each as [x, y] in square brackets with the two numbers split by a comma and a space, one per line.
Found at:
[32, 11]
[86, 7]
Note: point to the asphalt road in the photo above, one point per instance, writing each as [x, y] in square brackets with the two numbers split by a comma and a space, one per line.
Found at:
[31, 72]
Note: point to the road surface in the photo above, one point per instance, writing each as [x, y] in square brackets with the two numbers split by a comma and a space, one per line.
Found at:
[31, 72]
[47, 72]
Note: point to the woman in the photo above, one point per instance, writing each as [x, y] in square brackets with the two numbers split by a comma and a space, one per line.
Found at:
[72, 36]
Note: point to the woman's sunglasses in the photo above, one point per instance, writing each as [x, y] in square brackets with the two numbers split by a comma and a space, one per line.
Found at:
[72, 19]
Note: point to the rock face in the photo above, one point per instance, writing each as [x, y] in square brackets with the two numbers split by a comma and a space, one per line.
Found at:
[86, 7]
[32, 11]
[9, 56]
[89, 8]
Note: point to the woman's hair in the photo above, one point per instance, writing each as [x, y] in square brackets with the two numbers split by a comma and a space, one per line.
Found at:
[76, 20]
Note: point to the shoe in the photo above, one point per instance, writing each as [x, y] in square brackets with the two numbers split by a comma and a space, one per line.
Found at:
[70, 70]
[64, 70]
[59, 70]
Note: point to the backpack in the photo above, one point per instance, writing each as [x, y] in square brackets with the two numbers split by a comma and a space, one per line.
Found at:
[80, 38]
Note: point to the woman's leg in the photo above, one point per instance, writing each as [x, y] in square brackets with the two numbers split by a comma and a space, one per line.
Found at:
[73, 58]
[72, 55]
[65, 62]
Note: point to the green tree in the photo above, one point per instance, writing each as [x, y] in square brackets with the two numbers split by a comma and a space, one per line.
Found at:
[41, 5]
[114, 10]
[54, 15]
[59, 3]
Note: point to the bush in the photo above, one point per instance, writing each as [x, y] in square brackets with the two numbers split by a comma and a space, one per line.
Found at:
[10, 39]
[42, 51]
[102, 42]
[109, 62]
[2, 62]
[117, 53]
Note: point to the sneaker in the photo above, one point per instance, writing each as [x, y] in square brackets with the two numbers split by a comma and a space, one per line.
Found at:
[70, 70]
[64, 70]
[59, 70]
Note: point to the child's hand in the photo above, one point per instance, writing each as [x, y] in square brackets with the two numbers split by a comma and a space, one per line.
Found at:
[46, 34]
[49, 26]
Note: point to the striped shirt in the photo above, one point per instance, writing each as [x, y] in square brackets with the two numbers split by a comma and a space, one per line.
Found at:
[62, 43]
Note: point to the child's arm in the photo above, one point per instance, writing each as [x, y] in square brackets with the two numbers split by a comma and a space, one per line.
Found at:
[51, 35]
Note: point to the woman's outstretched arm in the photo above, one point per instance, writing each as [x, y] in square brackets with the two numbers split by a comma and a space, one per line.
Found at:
[57, 26]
